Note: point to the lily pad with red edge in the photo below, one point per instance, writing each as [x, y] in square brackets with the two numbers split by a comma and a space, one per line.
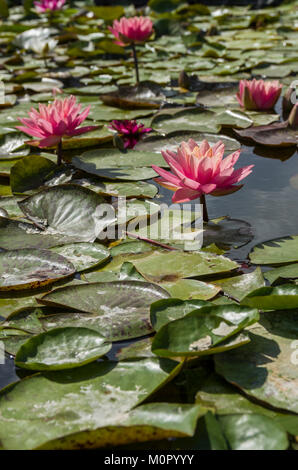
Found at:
[274, 135]
[146, 95]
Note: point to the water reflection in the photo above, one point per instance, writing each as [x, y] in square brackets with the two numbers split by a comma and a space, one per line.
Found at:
[268, 201]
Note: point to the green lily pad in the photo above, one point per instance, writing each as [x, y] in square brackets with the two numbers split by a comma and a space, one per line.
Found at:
[30, 173]
[202, 331]
[172, 141]
[61, 348]
[190, 289]
[266, 368]
[67, 210]
[119, 310]
[174, 265]
[239, 286]
[280, 251]
[83, 256]
[113, 158]
[115, 388]
[17, 234]
[273, 298]
[282, 273]
[31, 269]
[167, 310]
[253, 432]
[117, 189]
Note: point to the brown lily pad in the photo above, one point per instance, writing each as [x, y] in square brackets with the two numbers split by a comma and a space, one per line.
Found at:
[146, 95]
[275, 135]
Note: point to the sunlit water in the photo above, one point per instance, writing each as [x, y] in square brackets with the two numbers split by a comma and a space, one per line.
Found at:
[268, 202]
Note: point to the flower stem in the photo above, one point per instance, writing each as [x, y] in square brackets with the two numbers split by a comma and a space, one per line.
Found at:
[59, 153]
[135, 58]
[205, 212]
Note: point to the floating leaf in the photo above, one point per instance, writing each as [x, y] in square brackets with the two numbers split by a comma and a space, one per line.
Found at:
[30, 173]
[16, 234]
[171, 266]
[146, 95]
[61, 348]
[273, 298]
[253, 432]
[67, 210]
[284, 272]
[166, 310]
[116, 388]
[266, 368]
[119, 310]
[239, 286]
[190, 289]
[83, 256]
[202, 331]
[31, 269]
[274, 135]
[280, 251]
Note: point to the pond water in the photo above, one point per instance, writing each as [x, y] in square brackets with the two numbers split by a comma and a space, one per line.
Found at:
[268, 202]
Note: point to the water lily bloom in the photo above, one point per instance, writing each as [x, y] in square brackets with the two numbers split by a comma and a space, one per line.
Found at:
[199, 169]
[131, 30]
[130, 131]
[54, 121]
[258, 94]
[51, 5]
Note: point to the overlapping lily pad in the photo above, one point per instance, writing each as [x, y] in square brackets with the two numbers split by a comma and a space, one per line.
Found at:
[203, 331]
[67, 210]
[62, 348]
[29, 269]
[95, 383]
[118, 310]
[266, 368]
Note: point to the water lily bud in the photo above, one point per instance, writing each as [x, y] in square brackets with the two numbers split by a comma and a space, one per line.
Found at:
[288, 99]
[184, 80]
[293, 118]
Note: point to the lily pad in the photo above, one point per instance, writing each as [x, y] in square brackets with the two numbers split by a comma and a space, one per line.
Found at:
[239, 286]
[279, 251]
[266, 368]
[30, 172]
[146, 96]
[273, 298]
[167, 310]
[119, 310]
[17, 234]
[83, 256]
[31, 269]
[61, 348]
[173, 265]
[280, 274]
[274, 135]
[172, 141]
[73, 401]
[67, 210]
[190, 289]
[113, 158]
[202, 331]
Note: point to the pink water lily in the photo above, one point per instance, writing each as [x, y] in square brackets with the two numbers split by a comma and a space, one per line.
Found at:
[51, 5]
[130, 131]
[199, 169]
[54, 121]
[258, 94]
[132, 31]
[127, 30]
